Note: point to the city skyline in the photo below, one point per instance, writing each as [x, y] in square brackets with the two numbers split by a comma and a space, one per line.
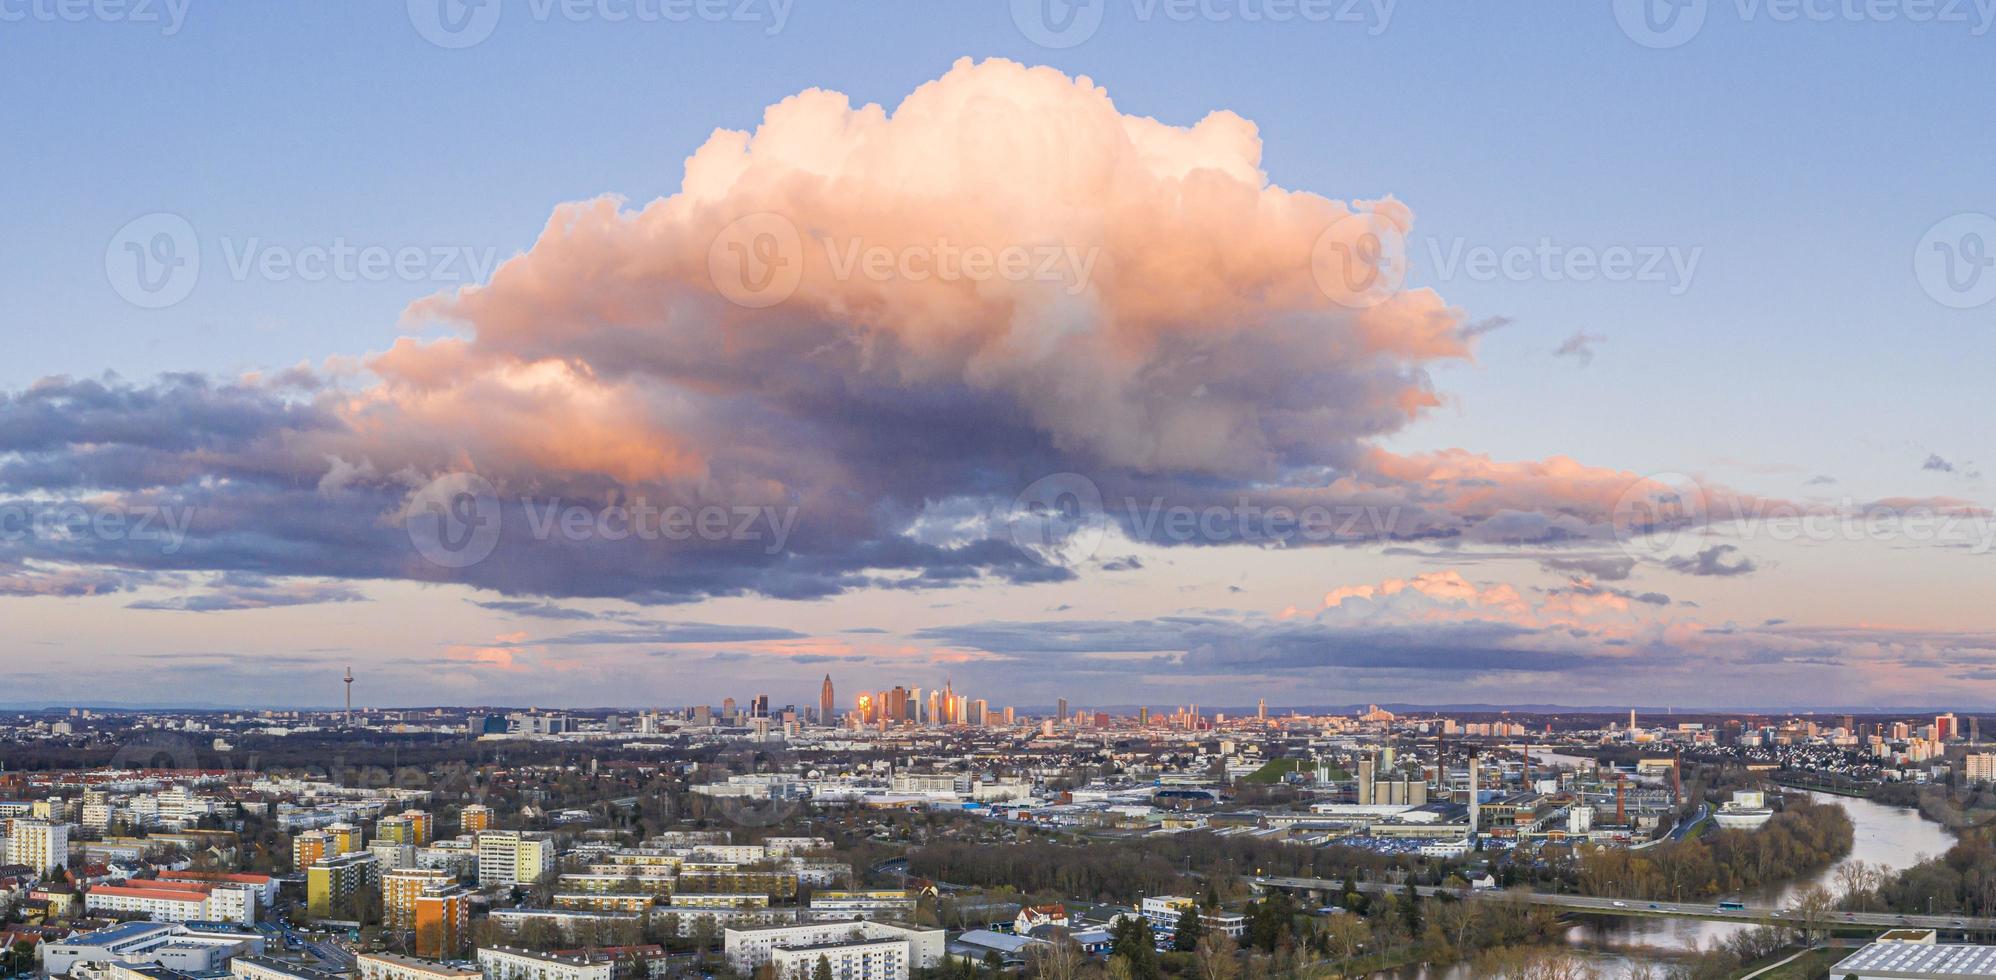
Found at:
[990, 357]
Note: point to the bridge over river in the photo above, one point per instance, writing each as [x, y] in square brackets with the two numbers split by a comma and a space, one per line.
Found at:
[1324, 889]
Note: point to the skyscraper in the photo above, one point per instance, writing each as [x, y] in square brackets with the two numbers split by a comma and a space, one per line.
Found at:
[1060, 711]
[827, 707]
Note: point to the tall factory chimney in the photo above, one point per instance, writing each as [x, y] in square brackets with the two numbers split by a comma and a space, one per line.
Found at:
[1475, 797]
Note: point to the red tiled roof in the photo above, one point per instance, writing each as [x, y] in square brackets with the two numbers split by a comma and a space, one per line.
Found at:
[156, 894]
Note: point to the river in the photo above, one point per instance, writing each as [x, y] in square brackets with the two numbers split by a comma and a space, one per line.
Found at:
[1881, 835]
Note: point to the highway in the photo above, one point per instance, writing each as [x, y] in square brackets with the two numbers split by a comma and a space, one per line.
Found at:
[1634, 907]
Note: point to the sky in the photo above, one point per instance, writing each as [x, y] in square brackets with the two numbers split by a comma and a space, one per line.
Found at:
[650, 352]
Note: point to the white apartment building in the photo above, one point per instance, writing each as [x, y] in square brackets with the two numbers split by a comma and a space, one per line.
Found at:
[783, 847]
[1163, 911]
[509, 857]
[388, 966]
[391, 855]
[39, 844]
[863, 905]
[747, 949]
[731, 853]
[506, 963]
[690, 921]
[863, 959]
[226, 903]
[262, 968]
[97, 816]
[1980, 767]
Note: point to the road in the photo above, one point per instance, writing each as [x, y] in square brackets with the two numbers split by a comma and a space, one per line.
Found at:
[1615, 906]
[1678, 832]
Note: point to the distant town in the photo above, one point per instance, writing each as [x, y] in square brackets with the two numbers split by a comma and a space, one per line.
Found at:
[904, 833]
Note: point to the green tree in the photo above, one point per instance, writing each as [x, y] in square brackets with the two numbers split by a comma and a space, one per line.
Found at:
[1190, 929]
[1135, 944]
[1269, 920]
[823, 969]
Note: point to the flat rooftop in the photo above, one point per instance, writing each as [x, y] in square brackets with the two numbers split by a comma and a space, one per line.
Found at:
[1919, 961]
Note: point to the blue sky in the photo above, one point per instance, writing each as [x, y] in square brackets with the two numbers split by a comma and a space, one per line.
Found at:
[1800, 161]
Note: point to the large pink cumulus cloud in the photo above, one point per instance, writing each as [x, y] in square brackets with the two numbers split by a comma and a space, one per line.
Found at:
[1170, 336]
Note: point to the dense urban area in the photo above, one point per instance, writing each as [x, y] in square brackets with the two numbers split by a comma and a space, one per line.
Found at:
[898, 834]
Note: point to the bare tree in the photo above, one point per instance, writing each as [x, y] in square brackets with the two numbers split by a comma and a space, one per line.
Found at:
[1216, 957]
[1061, 959]
[1813, 906]
[1346, 934]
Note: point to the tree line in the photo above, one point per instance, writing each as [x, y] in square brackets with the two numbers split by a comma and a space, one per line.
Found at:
[1803, 837]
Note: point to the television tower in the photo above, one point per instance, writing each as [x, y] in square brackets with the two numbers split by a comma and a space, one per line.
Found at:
[349, 683]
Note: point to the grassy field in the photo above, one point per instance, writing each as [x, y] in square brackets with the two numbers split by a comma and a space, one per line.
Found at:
[1273, 771]
[1814, 966]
